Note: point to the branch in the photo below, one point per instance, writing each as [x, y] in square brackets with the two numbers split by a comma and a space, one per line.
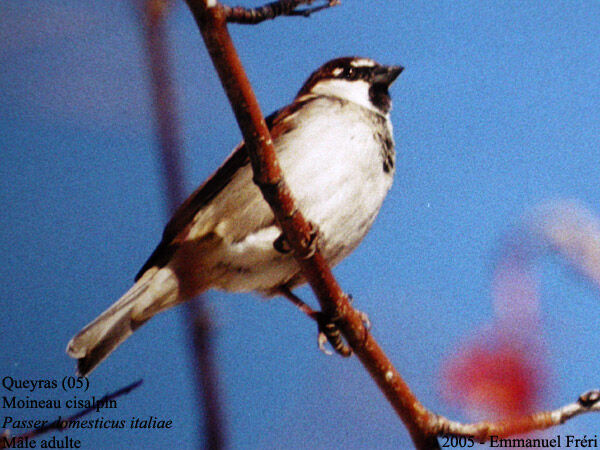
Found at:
[239, 14]
[163, 99]
[196, 315]
[56, 425]
[483, 431]
[302, 236]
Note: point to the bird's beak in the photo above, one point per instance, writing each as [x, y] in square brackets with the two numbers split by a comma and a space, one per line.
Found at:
[387, 74]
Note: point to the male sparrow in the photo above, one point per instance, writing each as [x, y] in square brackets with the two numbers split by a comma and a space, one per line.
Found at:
[335, 146]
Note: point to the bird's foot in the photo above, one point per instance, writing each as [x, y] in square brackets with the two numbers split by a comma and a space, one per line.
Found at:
[328, 330]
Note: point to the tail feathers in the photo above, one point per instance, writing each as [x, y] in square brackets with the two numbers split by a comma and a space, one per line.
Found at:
[111, 338]
[154, 292]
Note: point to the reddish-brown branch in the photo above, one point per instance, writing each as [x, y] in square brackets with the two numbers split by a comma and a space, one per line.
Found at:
[302, 237]
[300, 234]
[196, 316]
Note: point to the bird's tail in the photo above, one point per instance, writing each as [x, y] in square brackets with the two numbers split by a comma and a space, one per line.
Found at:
[155, 291]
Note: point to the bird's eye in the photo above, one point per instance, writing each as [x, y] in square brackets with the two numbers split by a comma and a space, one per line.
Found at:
[351, 73]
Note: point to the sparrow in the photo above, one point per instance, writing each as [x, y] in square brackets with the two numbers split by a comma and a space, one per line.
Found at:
[335, 145]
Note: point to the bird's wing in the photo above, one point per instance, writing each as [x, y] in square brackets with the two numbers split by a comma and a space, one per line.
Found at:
[278, 124]
[185, 213]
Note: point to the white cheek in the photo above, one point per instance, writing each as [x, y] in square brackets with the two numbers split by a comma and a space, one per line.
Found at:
[356, 91]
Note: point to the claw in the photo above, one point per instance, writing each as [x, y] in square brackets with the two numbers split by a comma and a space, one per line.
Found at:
[365, 320]
[321, 340]
[311, 245]
[329, 329]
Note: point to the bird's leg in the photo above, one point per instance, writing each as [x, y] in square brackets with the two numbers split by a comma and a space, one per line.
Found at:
[328, 330]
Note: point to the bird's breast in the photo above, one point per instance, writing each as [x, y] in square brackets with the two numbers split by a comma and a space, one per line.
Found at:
[339, 164]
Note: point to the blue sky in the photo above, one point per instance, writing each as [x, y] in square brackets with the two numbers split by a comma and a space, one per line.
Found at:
[498, 110]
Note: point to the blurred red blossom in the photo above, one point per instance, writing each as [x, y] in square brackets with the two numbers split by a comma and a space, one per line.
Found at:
[497, 376]
[502, 371]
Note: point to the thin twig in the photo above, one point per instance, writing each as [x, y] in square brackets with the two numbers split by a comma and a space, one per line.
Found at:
[195, 314]
[207, 377]
[163, 96]
[252, 16]
[63, 423]
[211, 19]
[484, 431]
